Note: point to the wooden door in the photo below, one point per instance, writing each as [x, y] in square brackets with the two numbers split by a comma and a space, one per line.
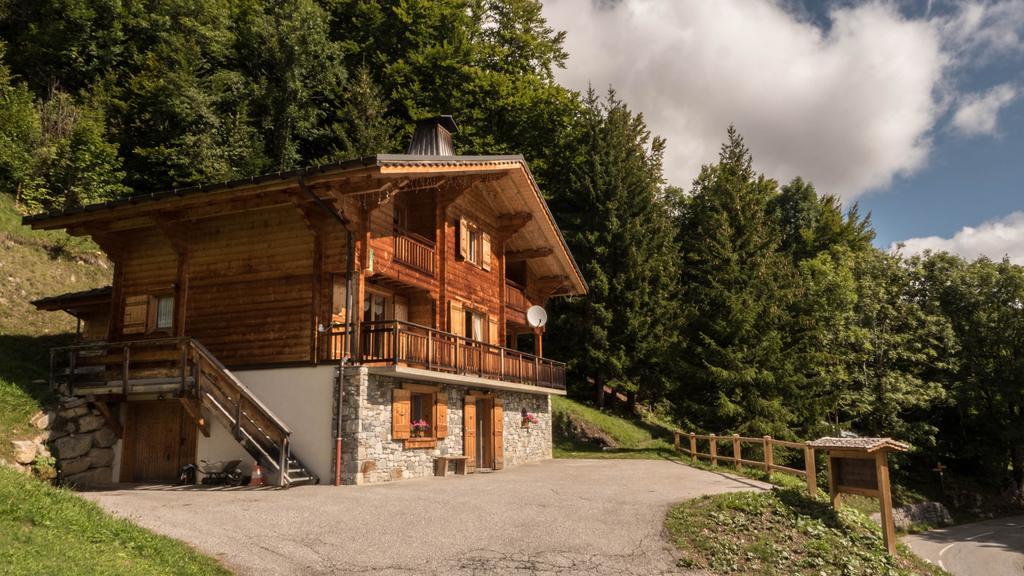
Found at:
[469, 431]
[159, 440]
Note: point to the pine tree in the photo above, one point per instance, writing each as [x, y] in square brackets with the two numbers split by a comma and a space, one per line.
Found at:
[618, 226]
[736, 287]
[367, 129]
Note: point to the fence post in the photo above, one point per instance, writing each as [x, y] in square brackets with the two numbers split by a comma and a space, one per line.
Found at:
[693, 447]
[675, 440]
[714, 450]
[737, 451]
[769, 455]
[812, 470]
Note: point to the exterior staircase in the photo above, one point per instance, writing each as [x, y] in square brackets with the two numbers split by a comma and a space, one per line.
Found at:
[185, 369]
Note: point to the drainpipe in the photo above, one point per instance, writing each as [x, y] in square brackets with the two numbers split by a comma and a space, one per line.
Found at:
[346, 351]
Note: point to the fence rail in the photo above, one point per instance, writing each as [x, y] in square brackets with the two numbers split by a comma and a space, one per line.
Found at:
[415, 252]
[736, 442]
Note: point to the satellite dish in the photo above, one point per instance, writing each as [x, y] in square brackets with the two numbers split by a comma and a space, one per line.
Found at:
[536, 317]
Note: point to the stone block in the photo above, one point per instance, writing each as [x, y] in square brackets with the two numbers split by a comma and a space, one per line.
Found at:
[104, 438]
[74, 466]
[90, 478]
[73, 412]
[100, 457]
[73, 446]
[42, 420]
[24, 451]
[90, 422]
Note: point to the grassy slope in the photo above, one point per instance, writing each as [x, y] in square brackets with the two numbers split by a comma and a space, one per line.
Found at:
[34, 264]
[637, 438]
[44, 530]
[783, 533]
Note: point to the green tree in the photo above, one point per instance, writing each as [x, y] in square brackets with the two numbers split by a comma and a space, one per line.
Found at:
[618, 225]
[367, 129]
[736, 288]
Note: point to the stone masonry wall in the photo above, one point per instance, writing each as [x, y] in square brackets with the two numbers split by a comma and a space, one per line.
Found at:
[371, 456]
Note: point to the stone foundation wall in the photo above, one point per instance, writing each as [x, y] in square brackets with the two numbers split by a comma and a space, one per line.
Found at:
[371, 456]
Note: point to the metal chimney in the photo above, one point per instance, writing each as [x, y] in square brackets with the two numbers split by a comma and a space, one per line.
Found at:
[433, 137]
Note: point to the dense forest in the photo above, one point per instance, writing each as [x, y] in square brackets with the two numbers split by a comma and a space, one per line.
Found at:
[734, 303]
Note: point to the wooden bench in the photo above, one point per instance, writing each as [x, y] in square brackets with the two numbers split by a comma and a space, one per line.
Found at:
[441, 465]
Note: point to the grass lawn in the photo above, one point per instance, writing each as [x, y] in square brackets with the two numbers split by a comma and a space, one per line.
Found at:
[46, 530]
[636, 438]
[784, 533]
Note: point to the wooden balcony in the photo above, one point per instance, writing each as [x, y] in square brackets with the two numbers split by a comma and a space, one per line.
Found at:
[395, 343]
[415, 252]
[515, 297]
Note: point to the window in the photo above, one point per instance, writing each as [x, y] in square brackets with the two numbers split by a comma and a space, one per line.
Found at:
[475, 322]
[376, 307]
[419, 415]
[474, 246]
[165, 312]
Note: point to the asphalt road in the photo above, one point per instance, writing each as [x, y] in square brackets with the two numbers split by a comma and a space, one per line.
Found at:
[553, 517]
[991, 548]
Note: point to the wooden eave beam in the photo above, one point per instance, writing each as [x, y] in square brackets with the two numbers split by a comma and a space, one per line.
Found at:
[528, 254]
[510, 224]
[545, 286]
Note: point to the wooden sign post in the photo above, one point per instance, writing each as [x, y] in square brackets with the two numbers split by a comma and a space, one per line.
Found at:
[861, 466]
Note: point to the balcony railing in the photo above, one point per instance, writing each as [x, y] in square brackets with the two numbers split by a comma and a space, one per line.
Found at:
[515, 296]
[415, 252]
[402, 343]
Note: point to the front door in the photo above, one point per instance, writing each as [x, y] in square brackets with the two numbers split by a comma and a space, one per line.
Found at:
[482, 432]
[159, 440]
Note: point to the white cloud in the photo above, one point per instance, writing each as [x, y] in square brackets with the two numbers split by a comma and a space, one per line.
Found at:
[986, 29]
[995, 239]
[849, 109]
[977, 113]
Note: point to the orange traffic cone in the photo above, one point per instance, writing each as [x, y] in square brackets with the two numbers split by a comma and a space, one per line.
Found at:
[257, 476]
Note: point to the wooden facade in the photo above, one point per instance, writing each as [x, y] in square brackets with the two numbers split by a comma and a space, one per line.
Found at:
[448, 254]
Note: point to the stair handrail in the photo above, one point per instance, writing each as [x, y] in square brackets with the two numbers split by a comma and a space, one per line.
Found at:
[242, 388]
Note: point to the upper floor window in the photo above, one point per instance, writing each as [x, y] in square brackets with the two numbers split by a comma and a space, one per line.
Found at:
[474, 244]
[164, 312]
[145, 314]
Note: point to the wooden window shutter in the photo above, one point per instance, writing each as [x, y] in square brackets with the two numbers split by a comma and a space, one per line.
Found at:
[463, 239]
[456, 318]
[485, 256]
[136, 315]
[498, 427]
[441, 414]
[469, 431]
[400, 413]
[492, 330]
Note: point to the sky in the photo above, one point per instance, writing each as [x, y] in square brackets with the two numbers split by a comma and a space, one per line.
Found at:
[912, 109]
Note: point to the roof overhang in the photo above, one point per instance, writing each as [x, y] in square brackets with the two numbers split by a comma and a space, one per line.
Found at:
[516, 188]
[75, 303]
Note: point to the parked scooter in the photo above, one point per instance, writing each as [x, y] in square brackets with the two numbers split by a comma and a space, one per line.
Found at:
[218, 473]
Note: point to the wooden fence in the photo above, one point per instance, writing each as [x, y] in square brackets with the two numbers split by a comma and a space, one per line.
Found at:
[767, 453]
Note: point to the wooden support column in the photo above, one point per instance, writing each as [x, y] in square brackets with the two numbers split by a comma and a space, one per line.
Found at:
[317, 285]
[885, 496]
[538, 342]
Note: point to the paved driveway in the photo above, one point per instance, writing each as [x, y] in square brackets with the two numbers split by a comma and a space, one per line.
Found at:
[553, 517]
[991, 548]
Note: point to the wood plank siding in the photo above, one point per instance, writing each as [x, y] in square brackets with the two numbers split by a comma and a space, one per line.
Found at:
[253, 270]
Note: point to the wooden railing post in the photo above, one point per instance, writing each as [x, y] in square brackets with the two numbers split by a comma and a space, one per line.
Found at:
[238, 417]
[767, 455]
[184, 367]
[125, 361]
[72, 356]
[811, 469]
[693, 447]
[714, 450]
[737, 451]
[430, 348]
[456, 363]
[283, 464]
[675, 440]
[394, 343]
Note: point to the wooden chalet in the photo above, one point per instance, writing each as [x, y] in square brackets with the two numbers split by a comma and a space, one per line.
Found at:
[281, 316]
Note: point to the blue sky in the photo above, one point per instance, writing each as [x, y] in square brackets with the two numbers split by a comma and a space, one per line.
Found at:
[914, 109]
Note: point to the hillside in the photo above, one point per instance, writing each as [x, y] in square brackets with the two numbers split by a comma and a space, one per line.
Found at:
[581, 431]
[34, 264]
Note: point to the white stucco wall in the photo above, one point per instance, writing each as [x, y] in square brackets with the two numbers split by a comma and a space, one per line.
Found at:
[303, 399]
[221, 445]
